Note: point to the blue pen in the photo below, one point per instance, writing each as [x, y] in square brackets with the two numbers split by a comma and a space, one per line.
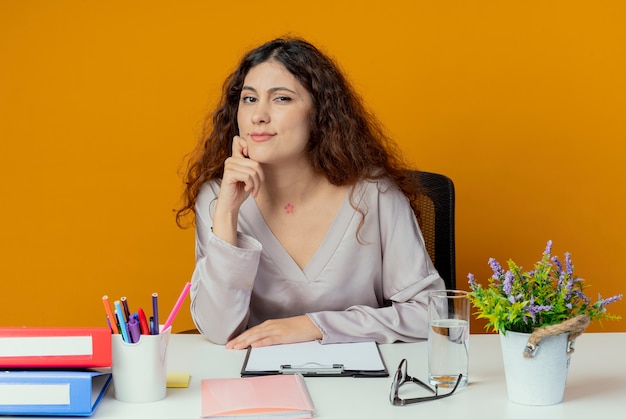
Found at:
[120, 318]
[133, 329]
[155, 313]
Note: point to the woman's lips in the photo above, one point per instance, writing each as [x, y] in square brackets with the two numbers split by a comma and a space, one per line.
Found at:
[261, 136]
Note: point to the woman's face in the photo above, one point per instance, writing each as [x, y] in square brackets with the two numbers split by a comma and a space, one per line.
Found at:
[274, 114]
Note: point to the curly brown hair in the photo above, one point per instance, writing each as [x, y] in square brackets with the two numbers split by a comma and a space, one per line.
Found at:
[347, 143]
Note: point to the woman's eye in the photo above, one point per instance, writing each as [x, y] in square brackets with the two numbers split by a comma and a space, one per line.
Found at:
[283, 99]
[248, 99]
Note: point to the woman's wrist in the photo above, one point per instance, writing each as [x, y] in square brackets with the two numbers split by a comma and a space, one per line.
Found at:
[225, 225]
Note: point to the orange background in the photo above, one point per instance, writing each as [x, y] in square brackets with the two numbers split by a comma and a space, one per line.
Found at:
[521, 103]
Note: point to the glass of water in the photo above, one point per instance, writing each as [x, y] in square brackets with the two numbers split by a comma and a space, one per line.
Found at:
[448, 337]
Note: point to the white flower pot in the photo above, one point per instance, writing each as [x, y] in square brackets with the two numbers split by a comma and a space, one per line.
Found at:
[539, 380]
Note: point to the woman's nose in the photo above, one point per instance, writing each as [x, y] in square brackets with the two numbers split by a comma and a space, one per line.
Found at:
[260, 113]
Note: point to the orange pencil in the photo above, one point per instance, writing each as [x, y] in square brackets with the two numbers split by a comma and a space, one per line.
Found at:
[107, 308]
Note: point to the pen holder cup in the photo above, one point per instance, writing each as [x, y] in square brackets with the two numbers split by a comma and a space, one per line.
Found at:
[139, 369]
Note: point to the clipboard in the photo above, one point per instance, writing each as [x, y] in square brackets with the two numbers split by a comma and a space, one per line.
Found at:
[312, 359]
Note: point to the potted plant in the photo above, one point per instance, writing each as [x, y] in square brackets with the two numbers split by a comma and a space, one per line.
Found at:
[538, 313]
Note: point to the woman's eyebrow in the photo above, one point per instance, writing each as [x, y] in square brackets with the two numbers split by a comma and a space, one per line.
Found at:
[272, 90]
[280, 89]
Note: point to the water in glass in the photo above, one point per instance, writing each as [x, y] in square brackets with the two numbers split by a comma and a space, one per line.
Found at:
[448, 351]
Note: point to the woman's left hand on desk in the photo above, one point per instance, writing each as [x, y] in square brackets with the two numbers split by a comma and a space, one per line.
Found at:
[277, 331]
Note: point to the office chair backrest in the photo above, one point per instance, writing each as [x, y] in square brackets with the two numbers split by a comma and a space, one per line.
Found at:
[436, 218]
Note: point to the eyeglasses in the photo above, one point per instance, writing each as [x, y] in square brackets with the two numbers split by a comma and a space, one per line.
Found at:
[402, 377]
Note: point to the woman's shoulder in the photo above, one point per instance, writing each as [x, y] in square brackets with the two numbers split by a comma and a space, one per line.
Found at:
[378, 186]
[379, 192]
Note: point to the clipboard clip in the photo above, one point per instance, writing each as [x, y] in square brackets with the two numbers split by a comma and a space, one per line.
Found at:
[312, 368]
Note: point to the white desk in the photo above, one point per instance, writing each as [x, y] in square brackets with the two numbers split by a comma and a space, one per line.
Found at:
[596, 384]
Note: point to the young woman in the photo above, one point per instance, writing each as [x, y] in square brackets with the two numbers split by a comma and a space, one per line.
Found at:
[304, 223]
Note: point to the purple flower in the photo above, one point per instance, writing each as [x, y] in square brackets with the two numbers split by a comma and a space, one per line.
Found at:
[558, 264]
[471, 280]
[581, 295]
[548, 248]
[533, 309]
[561, 279]
[610, 300]
[569, 286]
[569, 268]
[496, 268]
[538, 308]
[507, 286]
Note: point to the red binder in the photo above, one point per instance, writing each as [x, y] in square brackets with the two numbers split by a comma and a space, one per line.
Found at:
[39, 347]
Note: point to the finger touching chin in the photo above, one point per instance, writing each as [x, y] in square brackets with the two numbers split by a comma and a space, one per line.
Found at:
[244, 146]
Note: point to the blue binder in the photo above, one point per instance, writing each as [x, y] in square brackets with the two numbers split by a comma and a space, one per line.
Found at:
[52, 392]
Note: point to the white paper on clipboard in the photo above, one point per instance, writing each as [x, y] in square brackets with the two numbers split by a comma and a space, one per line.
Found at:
[361, 357]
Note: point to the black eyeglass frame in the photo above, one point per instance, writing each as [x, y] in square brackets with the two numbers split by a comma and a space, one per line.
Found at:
[401, 377]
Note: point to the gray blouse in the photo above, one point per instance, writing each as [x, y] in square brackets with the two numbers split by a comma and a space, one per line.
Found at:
[373, 287]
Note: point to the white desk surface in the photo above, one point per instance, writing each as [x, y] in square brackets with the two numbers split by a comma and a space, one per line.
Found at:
[596, 384]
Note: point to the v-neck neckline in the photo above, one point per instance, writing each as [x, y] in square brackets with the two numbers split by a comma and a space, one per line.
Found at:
[324, 252]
